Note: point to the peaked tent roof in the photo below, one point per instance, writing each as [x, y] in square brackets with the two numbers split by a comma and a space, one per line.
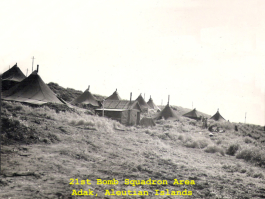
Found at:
[122, 104]
[193, 114]
[13, 74]
[114, 96]
[218, 117]
[31, 90]
[167, 113]
[152, 105]
[142, 103]
[86, 98]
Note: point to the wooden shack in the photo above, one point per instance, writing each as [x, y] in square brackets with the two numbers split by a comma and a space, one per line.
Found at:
[126, 112]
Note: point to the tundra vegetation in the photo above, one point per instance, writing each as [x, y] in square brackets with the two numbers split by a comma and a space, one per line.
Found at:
[43, 147]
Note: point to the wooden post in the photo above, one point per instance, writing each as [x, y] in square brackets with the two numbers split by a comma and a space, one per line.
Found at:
[168, 99]
[27, 72]
[245, 117]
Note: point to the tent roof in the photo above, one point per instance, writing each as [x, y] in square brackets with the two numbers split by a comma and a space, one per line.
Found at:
[122, 104]
[194, 114]
[114, 96]
[167, 113]
[142, 102]
[152, 105]
[86, 98]
[114, 110]
[31, 90]
[218, 117]
[13, 74]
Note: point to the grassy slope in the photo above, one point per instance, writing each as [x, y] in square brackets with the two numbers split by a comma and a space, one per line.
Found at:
[55, 147]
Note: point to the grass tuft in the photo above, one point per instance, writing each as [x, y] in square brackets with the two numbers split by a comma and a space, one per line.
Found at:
[181, 137]
[254, 154]
[80, 122]
[214, 149]
[199, 144]
[192, 144]
[232, 149]
[248, 140]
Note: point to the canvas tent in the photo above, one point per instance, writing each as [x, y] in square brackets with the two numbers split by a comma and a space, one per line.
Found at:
[166, 113]
[86, 98]
[126, 112]
[114, 96]
[14, 74]
[12, 77]
[31, 90]
[147, 121]
[194, 114]
[143, 104]
[152, 105]
[218, 117]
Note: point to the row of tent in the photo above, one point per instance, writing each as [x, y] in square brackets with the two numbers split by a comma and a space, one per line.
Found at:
[88, 99]
[194, 114]
[33, 90]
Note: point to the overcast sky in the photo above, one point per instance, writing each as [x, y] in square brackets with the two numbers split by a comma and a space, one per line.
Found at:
[211, 53]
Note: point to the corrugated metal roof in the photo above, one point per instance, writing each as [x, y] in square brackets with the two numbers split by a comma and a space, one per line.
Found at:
[121, 104]
[100, 109]
[116, 104]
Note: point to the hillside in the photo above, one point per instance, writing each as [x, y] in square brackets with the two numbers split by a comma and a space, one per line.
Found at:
[46, 148]
[69, 94]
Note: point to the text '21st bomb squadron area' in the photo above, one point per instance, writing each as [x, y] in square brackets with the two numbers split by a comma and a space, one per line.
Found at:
[51, 134]
[113, 192]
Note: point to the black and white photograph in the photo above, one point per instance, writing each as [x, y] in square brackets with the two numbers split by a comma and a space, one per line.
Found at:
[159, 99]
